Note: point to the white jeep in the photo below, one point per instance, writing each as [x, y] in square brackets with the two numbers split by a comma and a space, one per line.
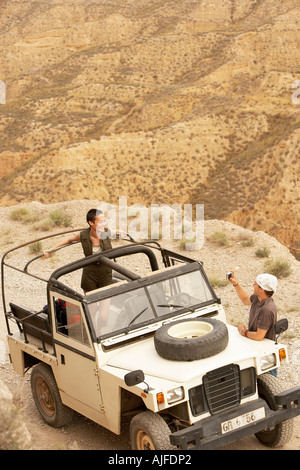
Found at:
[154, 347]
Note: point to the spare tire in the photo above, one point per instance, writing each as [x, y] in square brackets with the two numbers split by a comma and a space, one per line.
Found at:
[191, 339]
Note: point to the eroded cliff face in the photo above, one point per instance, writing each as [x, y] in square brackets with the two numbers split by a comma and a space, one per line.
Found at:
[164, 102]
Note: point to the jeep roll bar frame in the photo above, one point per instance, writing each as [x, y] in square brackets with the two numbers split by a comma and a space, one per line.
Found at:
[108, 258]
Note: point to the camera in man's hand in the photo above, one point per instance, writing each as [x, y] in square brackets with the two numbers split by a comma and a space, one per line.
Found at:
[229, 275]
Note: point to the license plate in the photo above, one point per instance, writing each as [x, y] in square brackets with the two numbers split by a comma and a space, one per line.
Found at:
[242, 420]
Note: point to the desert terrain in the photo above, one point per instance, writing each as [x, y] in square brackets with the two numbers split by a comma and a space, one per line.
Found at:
[189, 101]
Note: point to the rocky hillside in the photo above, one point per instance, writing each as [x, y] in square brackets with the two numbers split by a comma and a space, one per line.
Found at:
[162, 102]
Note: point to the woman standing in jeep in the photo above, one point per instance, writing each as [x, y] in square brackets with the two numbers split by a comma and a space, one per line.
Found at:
[94, 239]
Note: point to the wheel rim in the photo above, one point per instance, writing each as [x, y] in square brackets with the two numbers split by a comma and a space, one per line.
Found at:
[143, 441]
[45, 397]
[193, 329]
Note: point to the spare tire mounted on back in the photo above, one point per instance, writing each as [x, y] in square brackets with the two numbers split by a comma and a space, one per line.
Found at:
[191, 339]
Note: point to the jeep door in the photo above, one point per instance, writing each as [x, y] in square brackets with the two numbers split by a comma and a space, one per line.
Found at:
[76, 374]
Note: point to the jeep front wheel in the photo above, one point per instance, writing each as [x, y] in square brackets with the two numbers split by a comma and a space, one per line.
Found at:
[278, 435]
[149, 431]
[47, 397]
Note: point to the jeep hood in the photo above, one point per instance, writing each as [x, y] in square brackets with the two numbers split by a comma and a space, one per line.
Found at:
[143, 356]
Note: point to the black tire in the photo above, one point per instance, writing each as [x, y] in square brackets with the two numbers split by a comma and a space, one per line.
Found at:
[278, 435]
[47, 397]
[191, 339]
[149, 431]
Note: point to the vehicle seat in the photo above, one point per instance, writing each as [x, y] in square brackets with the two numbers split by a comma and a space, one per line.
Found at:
[35, 325]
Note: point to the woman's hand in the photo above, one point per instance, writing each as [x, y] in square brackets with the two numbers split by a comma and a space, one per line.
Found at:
[121, 234]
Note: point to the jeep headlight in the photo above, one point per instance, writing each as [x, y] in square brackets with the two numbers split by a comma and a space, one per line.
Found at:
[175, 394]
[266, 362]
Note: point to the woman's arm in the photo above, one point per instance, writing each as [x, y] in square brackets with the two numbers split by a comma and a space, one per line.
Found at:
[65, 241]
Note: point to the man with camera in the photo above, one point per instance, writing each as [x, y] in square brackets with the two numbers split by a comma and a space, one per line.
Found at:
[263, 312]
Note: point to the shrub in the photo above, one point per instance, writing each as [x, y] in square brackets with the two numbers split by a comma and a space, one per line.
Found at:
[35, 248]
[278, 267]
[56, 218]
[18, 214]
[22, 214]
[185, 242]
[220, 238]
[217, 282]
[262, 252]
[59, 219]
[247, 241]
[43, 225]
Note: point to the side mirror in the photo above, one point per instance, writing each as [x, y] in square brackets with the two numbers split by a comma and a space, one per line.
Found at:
[280, 327]
[134, 378]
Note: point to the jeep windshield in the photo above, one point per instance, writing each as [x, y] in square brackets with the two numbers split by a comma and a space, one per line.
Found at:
[148, 300]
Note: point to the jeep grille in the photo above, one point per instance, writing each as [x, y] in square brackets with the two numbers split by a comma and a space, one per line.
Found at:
[222, 388]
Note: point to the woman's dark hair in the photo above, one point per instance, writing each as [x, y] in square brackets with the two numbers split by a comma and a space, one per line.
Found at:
[92, 214]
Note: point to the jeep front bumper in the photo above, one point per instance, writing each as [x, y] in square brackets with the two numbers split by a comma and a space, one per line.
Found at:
[211, 433]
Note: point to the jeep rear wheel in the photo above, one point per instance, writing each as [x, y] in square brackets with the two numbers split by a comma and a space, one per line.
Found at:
[278, 435]
[191, 339]
[149, 431]
[47, 397]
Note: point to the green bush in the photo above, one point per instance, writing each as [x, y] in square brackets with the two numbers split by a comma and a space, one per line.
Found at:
[44, 225]
[278, 267]
[184, 242]
[217, 282]
[35, 248]
[59, 219]
[55, 218]
[22, 214]
[219, 238]
[247, 241]
[262, 252]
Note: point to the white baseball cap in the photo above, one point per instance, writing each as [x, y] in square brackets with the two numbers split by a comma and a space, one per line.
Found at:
[267, 282]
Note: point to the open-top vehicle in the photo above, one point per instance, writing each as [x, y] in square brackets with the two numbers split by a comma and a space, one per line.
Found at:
[154, 347]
